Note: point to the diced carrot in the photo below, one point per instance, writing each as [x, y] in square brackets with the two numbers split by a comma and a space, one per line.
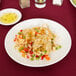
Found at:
[15, 36]
[20, 36]
[47, 57]
[15, 39]
[22, 51]
[23, 54]
[36, 33]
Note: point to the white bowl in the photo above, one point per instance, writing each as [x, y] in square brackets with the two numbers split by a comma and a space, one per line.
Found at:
[72, 3]
[11, 10]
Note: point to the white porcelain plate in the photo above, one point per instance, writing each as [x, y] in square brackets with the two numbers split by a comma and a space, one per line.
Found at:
[11, 10]
[63, 38]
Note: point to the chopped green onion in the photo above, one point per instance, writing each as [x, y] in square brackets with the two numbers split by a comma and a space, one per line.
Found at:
[36, 30]
[37, 58]
[19, 33]
[45, 51]
[52, 42]
[58, 47]
[33, 55]
[41, 54]
[21, 48]
[32, 59]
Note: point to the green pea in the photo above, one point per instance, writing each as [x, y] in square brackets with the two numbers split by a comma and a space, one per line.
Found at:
[56, 48]
[32, 59]
[24, 37]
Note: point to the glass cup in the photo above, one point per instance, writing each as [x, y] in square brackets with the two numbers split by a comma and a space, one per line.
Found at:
[24, 3]
[40, 3]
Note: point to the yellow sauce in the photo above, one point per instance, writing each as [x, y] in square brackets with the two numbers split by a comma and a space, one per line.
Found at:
[74, 1]
[8, 18]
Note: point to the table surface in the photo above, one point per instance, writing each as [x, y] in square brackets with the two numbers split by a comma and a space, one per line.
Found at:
[66, 15]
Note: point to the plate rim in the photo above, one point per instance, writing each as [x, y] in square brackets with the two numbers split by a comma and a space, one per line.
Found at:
[39, 65]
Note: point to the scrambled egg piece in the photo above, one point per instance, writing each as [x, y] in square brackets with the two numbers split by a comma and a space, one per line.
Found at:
[8, 18]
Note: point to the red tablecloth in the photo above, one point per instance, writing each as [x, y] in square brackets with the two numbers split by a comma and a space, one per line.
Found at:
[66, 15]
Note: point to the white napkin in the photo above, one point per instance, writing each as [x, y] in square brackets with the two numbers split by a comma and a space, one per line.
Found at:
[57, 2]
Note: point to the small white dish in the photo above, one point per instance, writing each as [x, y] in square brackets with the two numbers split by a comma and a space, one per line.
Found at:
[11, 10]
[73, 3]
[63, 38]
